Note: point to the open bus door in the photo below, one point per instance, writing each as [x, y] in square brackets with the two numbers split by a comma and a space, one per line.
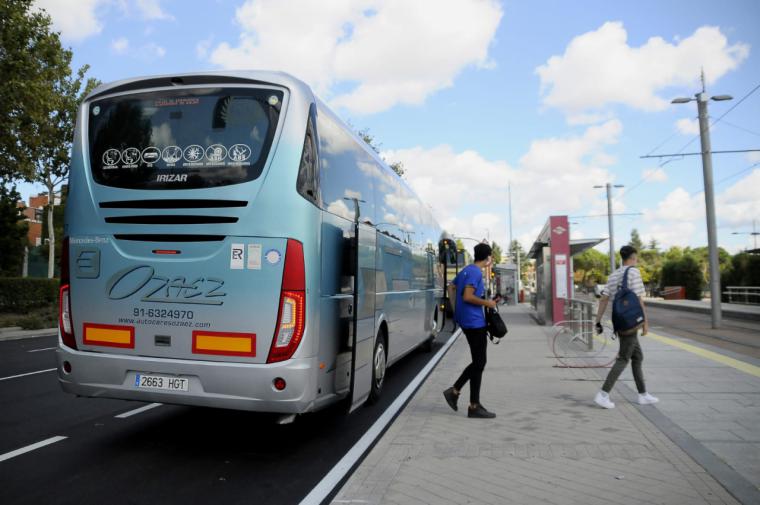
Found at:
[447, 256]
[363, 330]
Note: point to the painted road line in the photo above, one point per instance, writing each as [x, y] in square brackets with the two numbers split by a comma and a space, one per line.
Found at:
[29, 448]
[25, 374]
[44, 349]
[328, 483]
[138, 411]
[713, 356]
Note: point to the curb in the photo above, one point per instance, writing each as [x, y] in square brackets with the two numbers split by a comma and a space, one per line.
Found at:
[17, 334]
[735, 314]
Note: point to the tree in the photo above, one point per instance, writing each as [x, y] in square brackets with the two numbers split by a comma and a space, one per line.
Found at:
[684, 271]
[12, 233]
[31, 58]
[57, 136]
[653, 245]
[636, 240]
[591, 267]
[496, 253]
[516, 250]
[367, 137]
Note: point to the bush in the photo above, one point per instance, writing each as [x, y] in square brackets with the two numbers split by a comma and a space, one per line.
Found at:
[744, 270]
[684, 271]
[19, 295]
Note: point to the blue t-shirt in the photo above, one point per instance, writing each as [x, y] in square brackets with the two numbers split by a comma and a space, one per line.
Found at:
[468, 315]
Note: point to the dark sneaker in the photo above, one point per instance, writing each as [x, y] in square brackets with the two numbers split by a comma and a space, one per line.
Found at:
[480, 412]
[451, 398]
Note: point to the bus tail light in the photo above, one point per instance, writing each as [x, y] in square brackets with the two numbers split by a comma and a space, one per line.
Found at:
[65, 322]
[291, 319]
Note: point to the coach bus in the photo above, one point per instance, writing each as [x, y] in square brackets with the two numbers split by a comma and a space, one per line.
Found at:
[229, 242]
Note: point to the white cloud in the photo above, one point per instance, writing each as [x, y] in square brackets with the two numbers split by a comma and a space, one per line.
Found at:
[202, 48]
[151, 10]
[387, 52]
[740, 203]
[75, 20]
[654, 175]
[600, 69]
[688, 126]
[120, 45]
[153, 51]
[753, 157]
[468, 193]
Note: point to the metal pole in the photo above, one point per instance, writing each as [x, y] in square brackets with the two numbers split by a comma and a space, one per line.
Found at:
[612, 230]
[712, 239]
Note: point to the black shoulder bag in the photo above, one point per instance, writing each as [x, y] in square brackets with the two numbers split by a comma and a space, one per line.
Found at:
[495, 325]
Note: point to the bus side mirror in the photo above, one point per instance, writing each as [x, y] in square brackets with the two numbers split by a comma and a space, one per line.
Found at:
[447, 252]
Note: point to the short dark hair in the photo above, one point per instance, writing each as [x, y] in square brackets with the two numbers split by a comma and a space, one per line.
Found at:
[627, 251]
[482, 252]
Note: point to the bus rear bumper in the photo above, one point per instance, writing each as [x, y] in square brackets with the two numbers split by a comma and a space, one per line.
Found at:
[238, 386]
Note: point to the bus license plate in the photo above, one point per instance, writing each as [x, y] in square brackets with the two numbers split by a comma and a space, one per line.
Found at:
[161, 382]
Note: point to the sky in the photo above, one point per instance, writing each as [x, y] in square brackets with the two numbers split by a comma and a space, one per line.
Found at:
[477, 98]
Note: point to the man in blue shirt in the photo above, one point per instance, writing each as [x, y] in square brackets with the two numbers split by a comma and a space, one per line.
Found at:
[468, 313]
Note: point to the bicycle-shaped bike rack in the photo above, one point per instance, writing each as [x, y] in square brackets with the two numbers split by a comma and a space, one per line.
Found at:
[575, 343]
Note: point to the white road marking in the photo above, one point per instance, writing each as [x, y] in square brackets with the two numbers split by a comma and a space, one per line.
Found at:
[44, 349]
[29, 448]
[25, 374]
[342, 467]
[138, 411]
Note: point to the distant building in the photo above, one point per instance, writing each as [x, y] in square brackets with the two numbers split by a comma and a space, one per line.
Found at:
[34, 214]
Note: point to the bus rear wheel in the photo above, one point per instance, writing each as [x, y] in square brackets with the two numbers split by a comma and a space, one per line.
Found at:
[379, 367]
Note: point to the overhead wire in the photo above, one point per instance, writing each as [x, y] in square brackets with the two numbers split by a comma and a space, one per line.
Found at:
[645, 178]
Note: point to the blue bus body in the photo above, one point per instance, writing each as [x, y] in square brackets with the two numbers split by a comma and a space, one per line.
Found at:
[208, 248]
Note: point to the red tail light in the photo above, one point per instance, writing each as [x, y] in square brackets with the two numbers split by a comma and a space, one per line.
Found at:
[291, 319]
[65, 321]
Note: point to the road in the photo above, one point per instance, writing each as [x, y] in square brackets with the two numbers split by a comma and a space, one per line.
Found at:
[168, 454]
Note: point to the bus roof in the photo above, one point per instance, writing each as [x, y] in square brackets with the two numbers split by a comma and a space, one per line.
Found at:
[190, 78]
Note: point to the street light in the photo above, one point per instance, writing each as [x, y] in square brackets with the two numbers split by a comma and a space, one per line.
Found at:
[712, 239]
[609, 222]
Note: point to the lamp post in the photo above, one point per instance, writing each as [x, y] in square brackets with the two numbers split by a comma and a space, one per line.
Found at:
[712, 238]
[609, 222]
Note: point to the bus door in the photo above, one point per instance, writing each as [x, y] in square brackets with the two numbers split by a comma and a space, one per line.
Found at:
[363, 325]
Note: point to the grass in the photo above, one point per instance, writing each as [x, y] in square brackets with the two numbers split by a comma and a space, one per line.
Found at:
[36, 319]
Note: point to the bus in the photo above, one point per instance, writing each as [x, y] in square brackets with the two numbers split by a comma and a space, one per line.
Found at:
[229, 242]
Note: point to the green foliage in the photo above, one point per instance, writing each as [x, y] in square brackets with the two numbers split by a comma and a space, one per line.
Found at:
[684, 271]
[13, 232]
[19, 295]
[371, 141]
[591, 267]
[31, 59]
[496, 253]
[636, 240]
[743, 270]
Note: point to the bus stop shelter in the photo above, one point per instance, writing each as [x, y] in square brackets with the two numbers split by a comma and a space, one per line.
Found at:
[553, 251]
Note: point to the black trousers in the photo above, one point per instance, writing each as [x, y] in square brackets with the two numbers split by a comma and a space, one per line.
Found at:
[478, 341]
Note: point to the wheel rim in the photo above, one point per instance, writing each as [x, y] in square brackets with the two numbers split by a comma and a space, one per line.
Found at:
[379, 365]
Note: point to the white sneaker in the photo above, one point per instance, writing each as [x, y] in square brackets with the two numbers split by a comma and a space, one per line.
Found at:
[603, 400]
[647, 399]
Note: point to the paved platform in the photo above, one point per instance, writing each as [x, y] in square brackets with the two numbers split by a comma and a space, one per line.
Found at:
[551, 444]
[736, 310]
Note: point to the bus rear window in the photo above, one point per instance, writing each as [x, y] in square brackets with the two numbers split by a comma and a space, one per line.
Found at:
[182, 139]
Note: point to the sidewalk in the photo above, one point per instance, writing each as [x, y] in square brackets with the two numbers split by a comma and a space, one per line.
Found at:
[737, 310]
[16, 333]
[550, 444]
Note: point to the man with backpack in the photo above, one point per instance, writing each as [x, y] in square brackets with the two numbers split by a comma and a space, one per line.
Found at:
[626, 289]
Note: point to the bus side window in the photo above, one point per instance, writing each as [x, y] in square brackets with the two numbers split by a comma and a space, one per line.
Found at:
[308, 182]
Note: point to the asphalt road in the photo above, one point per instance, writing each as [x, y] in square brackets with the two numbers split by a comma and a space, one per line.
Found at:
[169, 454]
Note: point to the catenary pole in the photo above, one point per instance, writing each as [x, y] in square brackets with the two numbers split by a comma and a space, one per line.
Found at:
[712, 239]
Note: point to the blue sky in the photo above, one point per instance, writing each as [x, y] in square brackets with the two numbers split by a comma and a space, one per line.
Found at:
[551, 97]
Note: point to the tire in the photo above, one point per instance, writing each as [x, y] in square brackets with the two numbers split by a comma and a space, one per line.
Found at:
[379, 368]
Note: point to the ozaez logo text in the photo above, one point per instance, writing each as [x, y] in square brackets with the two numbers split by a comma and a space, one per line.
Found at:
[143, 279]
[171, 178]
